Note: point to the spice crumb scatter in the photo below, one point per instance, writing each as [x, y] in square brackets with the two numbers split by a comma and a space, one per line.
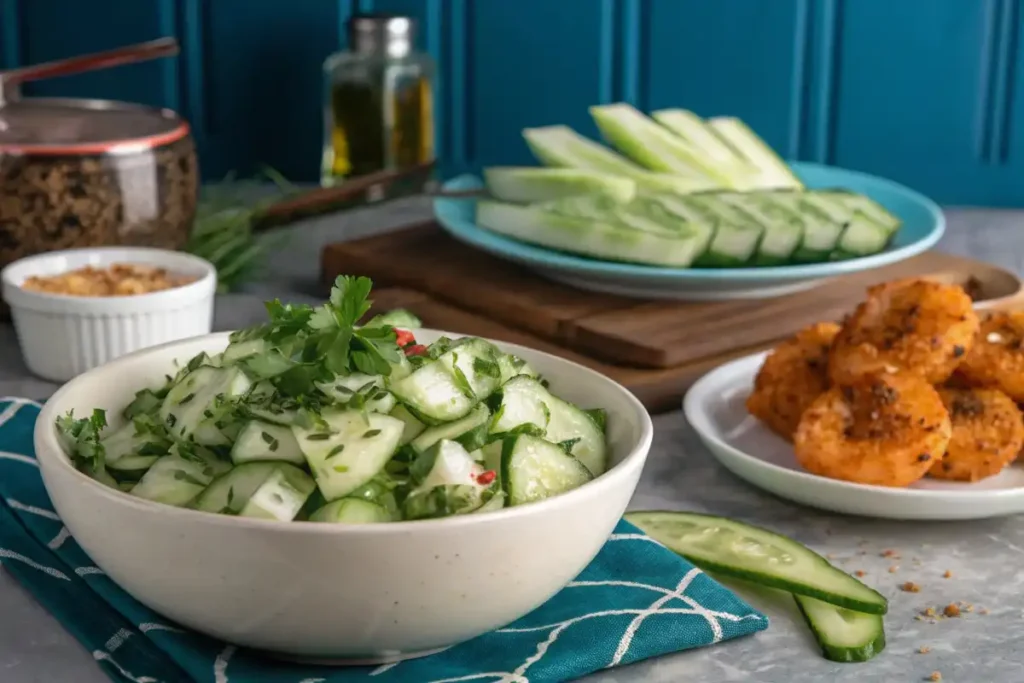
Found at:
[890, 553]
[983, 610]
[910, 587]
[893, 569]
[930, 612]
[951, 610]
[859, 573]
[118, 279]
[947, 575]
[936, 676]
[924, 649]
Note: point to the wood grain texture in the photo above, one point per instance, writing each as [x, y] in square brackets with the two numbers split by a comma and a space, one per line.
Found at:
[619, 330]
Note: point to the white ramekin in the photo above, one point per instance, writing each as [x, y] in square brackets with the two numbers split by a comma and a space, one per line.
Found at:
[63, 336]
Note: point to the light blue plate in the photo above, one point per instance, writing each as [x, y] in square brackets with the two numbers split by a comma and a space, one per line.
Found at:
[923, 225]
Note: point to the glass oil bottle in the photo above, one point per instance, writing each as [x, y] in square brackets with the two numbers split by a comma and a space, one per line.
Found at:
[378, 111]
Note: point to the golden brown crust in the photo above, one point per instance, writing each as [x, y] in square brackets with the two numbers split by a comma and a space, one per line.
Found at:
[792, 376]
[997, 358]
[920, 326]
[881, 428]
[988, 432]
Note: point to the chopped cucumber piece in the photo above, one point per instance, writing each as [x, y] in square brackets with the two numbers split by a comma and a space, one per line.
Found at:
[260, 440]
[653, 146]
[230, 492]
[773, 171]
[349, 449]
[736, 236]
[862, 237]
[399, 317]
[448, 483]
[240, 350]
[842, 634]
[747, 552]
[525, 401]
[529, 185]
[451, 386]
[588, 237]
[496, 502]
[174, 480]
[822, 226]
[634, 215]
[867, 207]
[280, 496]
[359, 390]
[783, 230]
[351, 511]
[133, 440]
[412, 428]
[512, 366]
[195, 399]
[451, 430]
[533, 469]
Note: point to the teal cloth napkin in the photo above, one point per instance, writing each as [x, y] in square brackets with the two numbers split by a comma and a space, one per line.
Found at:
[634, 601]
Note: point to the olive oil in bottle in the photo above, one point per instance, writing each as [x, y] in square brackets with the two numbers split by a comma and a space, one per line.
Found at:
[379, 104]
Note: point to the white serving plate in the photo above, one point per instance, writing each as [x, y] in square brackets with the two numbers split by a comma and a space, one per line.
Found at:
[715, 408]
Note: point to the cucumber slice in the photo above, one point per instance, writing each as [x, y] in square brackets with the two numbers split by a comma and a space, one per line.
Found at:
[653, 146]
[588, 237]
[195, 398]
[632, 215]
[842, 634]
[774, 172]
[533, 469]
[398, 317]
[280, 496]
[823, 225]
[230, 492]
[497, 502]
[512, 366]
[349, 449]
[561, 146]
[454, 384]
[736, 236]
[412, 427]
[867, 207]
[702, 137]
[351, 511]
[784, 231]
[146, 402]
[129, 440]
[260, 440]
[174, 480]
[525, 401]
[240, 350]
[529, 185]
[447, 483]
[862, 237]
[451, 430]
[736, 549]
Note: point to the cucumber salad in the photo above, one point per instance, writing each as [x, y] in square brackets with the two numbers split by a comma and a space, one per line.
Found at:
[312, 416]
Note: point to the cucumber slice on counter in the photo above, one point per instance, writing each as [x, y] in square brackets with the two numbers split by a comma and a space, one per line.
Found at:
[653, 146]
[842, 634]
[773, 171]
[561, 146]
[528, 185]
[736, 549]
[586, 236]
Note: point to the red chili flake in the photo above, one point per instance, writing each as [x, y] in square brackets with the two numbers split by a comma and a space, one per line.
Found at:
[415, 350]
[485, 478]
[404, 337]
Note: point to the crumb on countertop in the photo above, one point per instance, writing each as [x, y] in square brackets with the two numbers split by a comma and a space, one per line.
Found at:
[859, 573]
[936, 676]
[929, 612]
[951, 610]
[890, 553]
[947, 575]
[983, 610]
[924, 649]
[910, 587]
[893, 569]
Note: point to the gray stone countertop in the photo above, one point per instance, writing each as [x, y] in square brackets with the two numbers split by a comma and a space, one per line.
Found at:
[985, 559]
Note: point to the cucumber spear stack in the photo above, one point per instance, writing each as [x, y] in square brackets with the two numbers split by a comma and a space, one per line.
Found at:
[676, 191]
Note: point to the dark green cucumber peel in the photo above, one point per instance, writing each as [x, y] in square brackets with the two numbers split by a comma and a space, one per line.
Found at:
[825, 620]
[859, 597]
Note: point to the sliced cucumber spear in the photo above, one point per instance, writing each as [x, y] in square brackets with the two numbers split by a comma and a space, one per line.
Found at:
[701, 136]
[842, 634]
[774, 171]
[529, 185]
[562, 147]
[654, 146]
[736, 549]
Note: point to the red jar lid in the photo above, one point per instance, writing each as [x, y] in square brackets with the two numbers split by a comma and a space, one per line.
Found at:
[57, 126]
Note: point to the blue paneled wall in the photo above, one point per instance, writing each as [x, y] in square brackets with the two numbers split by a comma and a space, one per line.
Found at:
[928, 92]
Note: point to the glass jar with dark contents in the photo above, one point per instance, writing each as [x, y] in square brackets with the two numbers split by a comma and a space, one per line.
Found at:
[84, 173]
[379, 104]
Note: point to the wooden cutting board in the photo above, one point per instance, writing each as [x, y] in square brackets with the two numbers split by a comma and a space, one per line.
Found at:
[655, 348]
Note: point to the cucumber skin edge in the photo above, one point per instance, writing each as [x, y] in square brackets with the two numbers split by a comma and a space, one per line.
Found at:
[880, 608]
[838, 653]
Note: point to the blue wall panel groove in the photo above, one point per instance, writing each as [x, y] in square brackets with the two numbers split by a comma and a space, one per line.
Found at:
[928, 92]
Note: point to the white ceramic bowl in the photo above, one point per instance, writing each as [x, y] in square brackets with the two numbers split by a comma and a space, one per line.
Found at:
[63, 336]
[367, 592]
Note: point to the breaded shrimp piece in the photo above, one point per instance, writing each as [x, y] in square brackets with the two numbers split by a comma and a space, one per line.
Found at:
[988, 432]
[881, 428]
[792, 376]
[921, 326]
[997, 358]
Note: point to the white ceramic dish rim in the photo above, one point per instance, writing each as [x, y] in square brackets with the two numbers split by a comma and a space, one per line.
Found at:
[45, 432]
[15, 273]
[698, 419]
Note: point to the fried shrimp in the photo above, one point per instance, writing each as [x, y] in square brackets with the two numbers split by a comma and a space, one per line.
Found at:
[988, 432]
[792, 376]
[882, 428]
[920, 326]
[997, 358]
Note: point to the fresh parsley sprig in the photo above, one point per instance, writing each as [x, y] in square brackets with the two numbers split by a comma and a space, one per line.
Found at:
[81, 439]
